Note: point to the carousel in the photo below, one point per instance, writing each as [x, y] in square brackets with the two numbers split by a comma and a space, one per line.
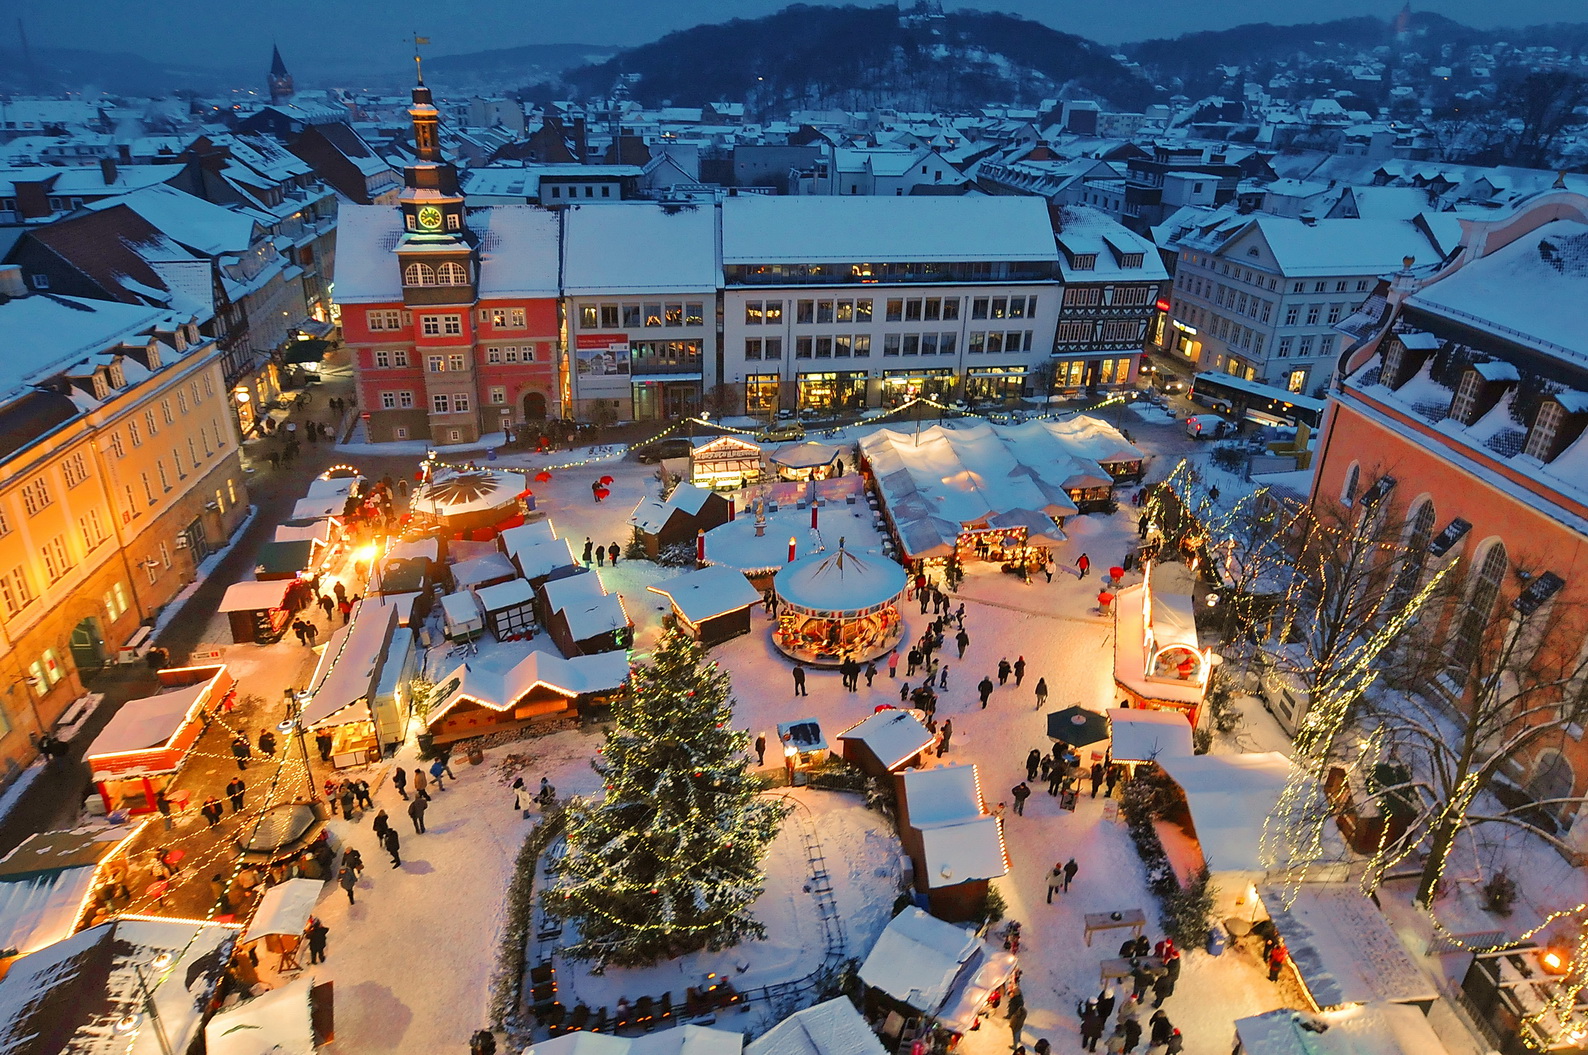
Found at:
[838, 606]
[467, 499]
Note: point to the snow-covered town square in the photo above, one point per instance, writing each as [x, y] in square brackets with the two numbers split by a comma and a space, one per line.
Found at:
[747, 545]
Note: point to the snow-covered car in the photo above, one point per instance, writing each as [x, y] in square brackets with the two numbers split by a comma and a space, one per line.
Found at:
[783, 432]
[675, 447]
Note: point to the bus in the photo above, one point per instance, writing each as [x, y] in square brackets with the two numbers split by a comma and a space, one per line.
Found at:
[1239, 398]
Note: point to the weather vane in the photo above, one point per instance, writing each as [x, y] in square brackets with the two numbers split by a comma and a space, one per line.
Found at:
[419, 69]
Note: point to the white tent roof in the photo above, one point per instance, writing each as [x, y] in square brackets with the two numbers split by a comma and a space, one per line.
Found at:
[892, 735]
[146, 723]
[39, 909]
[1230, 797]
[273, 1023]
[1363, 1029]
[408, 549]
[1141, 735]
[684, 1040]
[1173, 607]
[456, 492]
[254, 595]
[807, 455]
[711, 591]
[916, 958]
[504, 595]
[501, 689]
[480, 569]
[840, 582]
[349, 666]
[460, 608]
[340, 487]
[1345, 949]
[319, 531]
[832, 1027]
[285, 908]
[317, 508]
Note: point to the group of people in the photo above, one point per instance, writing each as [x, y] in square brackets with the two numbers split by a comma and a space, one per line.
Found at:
[1157, 975]
[601, 555]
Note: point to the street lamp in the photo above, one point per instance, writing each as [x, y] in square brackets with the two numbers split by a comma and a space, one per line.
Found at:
[129, 1022]
[292, 726]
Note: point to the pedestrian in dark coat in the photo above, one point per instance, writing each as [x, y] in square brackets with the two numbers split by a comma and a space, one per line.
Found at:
[1019, 669]
[1091, 1027]
[1105, 1004]
[799, 680]
[399, 780]
[1020, 792]
[241, 751]
[1070, 868]
[1159, 1029]
[962, 639]
[1097, 777]
[393, 844]
[347, 879]
[1033, 762]
[1110, 778]
[914, 660]
[612, 554]
[589, 549]
[380, 825]
[948, 734]
[316, 933]
[212, 810]
[760, 749]
[871, 672]
[1042, 1047]
[1132, 1035]
[416, 813]
[354, 860]
[234, 791]
[985, 688]
[267, 742]
[348, 800]
[1042, 693]
[324, 742]
[1003, 671]
[942, 677]
[361, 792]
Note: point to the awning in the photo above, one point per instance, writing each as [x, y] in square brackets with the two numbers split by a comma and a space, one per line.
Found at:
[315, 328]
[310, 351]
[284, 909]
[651, 379]
[284, 559]
[1230, 798]
[1141, 735]
[254, 595]
[274, 1023]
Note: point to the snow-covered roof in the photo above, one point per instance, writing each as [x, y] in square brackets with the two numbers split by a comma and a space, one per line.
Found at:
[332, 487]
[504, 595]
[41, 335]
[960, 841]
[43, 883]
[688, 1039]
[708, 592]
[1362, 1029]
[276, 1022]
[254, 595]
[1230, 798]
[807, 455]
[366, 270]
[1141, 735]
[917, 957]
[770, 229]
[501, 689]
[573, 590]
[350, 665]
[600, 615]
[1089, 231]
[840, 582]
[1523, 292]
[832, 1027]
[319, 531]
[284, 909]
[1343, 247]
[892, 735]
[319, 508]
[490, 567]
[640, 247]
[210, 229]
[146, 723]
[532, 533]
[545, 557]
[518, 251]
[1344, 947]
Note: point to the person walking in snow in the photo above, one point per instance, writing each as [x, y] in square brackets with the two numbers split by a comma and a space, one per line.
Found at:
[985, 688]
[760, 750]
[241, 750]
[234, 791]
[416, 813]
[589, 547]
[420, 782]
[1020, 670]
[1070, 868]
[948, 734]
[942, 677]
[1049, 566]
[393, 846]
[1097, 777]
[437, 768]
[799, 680]
[1033, 760]
[612, 554]
[1055, 882]
[522, 799]
[347, 799]
[871, 672]
[1020, 792]
[347, 879]
[380, 825]
[962, 639]
[316, 933]
[1042, 693]
[893, 664]
[399, 780]
[1003, 671]
[1083, 564]
[1091, 1027]
[914, 659]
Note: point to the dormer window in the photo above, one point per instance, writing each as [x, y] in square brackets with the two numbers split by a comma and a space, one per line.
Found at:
[118, 376]
[1546, 426]
[1465, 406]
[154, 355]
[101, 390]
[180, 338]
[1130, 260]
[1085, 262]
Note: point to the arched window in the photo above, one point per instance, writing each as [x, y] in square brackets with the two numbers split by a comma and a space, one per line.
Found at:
[1419, 531]
[419, 275]
[1353, 477]
[452, 274]
[1474, 615]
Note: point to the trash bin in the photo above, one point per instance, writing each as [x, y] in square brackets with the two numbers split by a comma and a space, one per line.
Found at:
[427, 745]
[1215, 941]
[476, 756]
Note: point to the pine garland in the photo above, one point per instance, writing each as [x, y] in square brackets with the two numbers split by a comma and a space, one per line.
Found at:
[669, 860]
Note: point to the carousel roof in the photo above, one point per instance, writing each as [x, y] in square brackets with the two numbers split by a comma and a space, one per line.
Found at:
[459, 491]
[840, 582]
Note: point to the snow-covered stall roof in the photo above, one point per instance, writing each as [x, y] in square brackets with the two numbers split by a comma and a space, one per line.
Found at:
[284, 909]
[1089, 437]
[319, 531]
[414, 548]
[959, 840]
[460, 609]
[141, 724]
[917, 957]
[1173, 619]
[43, 884]
[277, 1022]
[1345, 949]
[891, 735]
[708, 592]
[73, 991]
[599, 615]
[482, 569]
[253, 595]
[840, 582]
[807, 455]
[572, 590]
[317, 508]
[688, 1039]
[1039, 527]
[1141, 735]
[347, 670]
[1230, 797]
[832, 1027]
[522, 536]
[333, 487]
[651, 515]
[545, 557]
[505, 595]
[500, 689]
[1362, 1029]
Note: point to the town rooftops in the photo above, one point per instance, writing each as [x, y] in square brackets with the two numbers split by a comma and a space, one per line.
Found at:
[763, 229]
[41, 335]
[640, 247]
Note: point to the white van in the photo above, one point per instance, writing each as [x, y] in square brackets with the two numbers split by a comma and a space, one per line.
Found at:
[1208, 427]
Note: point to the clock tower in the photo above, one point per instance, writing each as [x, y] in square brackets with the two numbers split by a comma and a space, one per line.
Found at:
[437, 249]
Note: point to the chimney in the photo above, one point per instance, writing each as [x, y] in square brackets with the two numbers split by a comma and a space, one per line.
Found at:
[124, 153]
[11, 285]
[107, 170]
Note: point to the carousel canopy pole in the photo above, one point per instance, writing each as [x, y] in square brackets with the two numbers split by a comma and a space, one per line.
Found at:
[791, 546]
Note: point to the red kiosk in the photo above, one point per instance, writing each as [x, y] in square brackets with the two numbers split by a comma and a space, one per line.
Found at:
[142, 749]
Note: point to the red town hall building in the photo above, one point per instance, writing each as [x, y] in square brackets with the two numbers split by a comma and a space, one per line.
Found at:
[451, 313]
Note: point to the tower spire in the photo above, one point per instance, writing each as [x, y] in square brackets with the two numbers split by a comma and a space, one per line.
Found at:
[280, 81]
[419, 69]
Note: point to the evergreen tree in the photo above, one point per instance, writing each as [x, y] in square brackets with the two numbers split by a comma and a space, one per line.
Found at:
[669, 860]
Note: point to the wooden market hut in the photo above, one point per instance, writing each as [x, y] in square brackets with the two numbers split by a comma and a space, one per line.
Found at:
[345, 696]
[957, 847]
[726, 462]
[1159, 660]
[885, 742]
[141, 749]
[508, 609]
[285, 560]
[482, 571]
[688, 511]
[258, 610]
[545, 561]
[473, 701]
[582, 617]
[712, 604]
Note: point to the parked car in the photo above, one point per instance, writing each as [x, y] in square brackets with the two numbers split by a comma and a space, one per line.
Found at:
[675, 447]
[782, 432]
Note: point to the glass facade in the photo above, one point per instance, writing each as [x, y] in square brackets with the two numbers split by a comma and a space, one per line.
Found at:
[843, 390]
[901, 386]
[760, 394]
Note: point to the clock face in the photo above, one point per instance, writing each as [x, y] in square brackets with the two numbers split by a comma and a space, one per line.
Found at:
[430, 218]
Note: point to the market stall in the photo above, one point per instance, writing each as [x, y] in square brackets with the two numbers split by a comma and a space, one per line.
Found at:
[803, 745]
[1361, 1029]
[838, 606]
[257, 610]
[473, 700]
[725, 463]
[143, 747]
[1147, 736]
[487, 570]
[678, 518]
[342, 698]
[508, 609]
[285, 560]
[460, 500]
[923, 966]
[712, 604]
[278, 921]
[885, 742]
[805, 461]
[1230, 798]
[460, 617]
[1159, 660]
[957, 847]
[277, 1022]
[583, 619]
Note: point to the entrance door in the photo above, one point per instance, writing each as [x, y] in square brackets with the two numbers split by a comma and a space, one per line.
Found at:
[88, 647]
[197, 541]
[682, 400]
[534, 406]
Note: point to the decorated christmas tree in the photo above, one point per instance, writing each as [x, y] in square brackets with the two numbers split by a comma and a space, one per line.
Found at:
[668, 860]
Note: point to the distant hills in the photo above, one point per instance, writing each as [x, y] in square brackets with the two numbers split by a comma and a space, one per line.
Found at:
[54, 70]
[532, 61]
